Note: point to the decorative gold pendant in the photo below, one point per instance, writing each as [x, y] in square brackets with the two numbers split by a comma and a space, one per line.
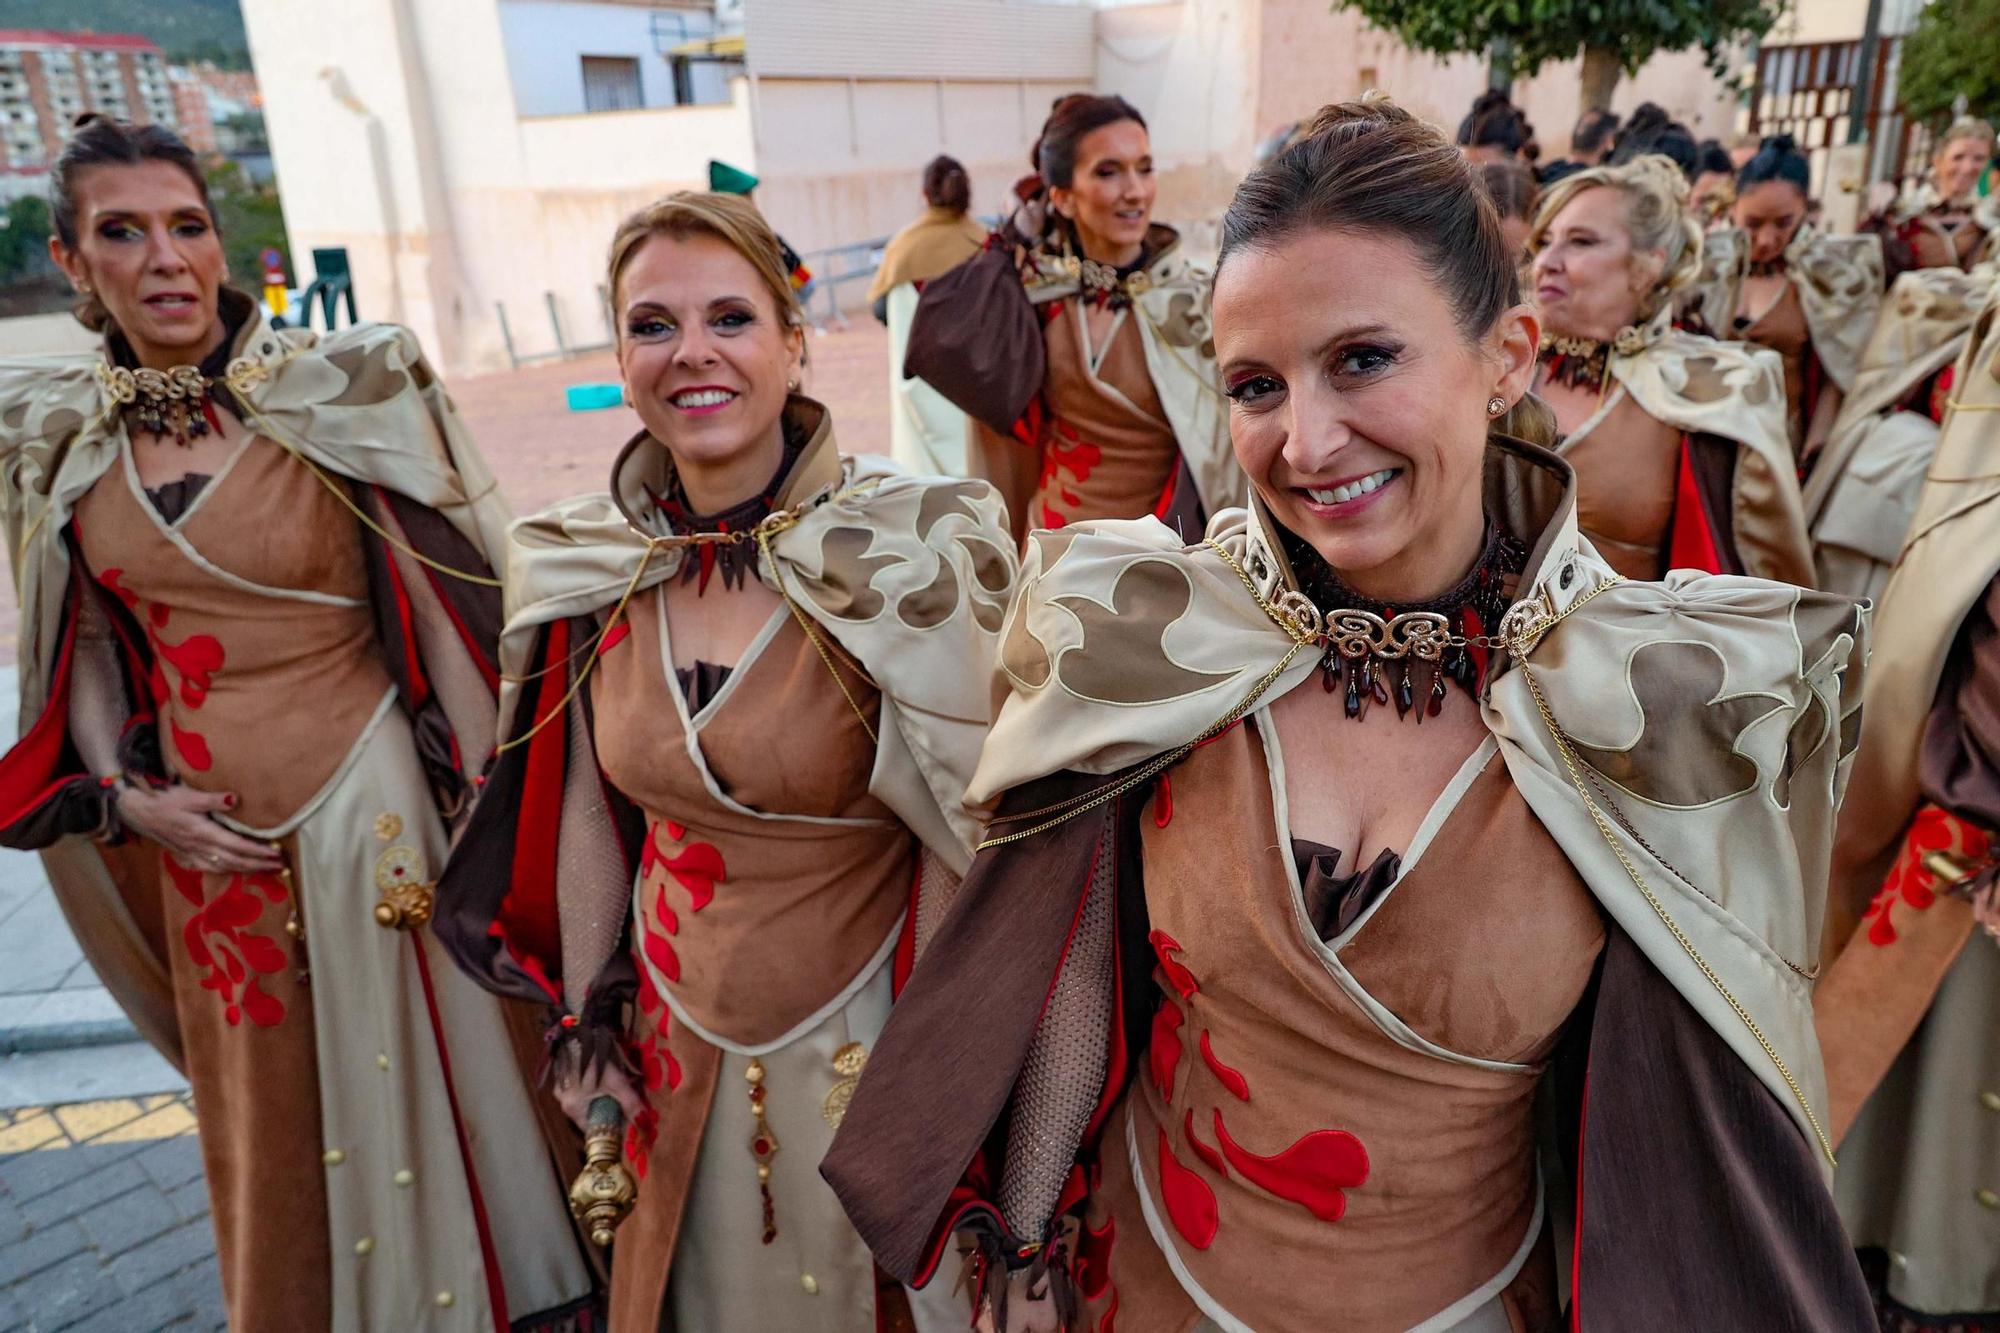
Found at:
[388, 826]
[763, 1145]
[848, 1062]
[407, 897]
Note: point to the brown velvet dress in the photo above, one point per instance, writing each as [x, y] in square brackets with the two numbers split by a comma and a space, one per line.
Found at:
[771, 887]
[1104, 447]
[1782, 328]
[1325, 1109]
[243, 621]
[1627, 469]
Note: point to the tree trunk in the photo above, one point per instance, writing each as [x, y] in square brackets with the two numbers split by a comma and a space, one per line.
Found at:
[1600, 76]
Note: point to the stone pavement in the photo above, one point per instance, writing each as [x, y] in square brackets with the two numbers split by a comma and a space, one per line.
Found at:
[104, 1220]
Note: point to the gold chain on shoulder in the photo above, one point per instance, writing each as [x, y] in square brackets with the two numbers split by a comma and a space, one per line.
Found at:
[764, 533]
[1563, 749]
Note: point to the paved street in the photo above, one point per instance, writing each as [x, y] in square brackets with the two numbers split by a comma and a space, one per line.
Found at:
[103, 1211]
[104, 1219]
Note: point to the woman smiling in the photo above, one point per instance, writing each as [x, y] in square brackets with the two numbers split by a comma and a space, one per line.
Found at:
[1679, 442]
[747, 687]
[214, 522]
[1325, 848]
[1125, 417]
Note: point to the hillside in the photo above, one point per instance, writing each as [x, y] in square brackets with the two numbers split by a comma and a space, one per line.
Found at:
[185, 29]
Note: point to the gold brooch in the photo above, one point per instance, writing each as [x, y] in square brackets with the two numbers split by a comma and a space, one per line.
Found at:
[388, 826]
[407, 898]
[848, 1062]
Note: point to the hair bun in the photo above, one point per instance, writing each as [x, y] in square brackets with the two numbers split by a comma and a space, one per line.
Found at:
[1376, 109]
[1778, 143]
[89, 118]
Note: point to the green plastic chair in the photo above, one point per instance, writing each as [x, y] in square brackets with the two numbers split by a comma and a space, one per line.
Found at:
[331, 281]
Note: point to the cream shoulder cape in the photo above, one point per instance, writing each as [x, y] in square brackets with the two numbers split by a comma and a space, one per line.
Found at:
[910, 575]
[1949, 558]
[1734, 391]
[1173, 308]
[1838, 278]
[362, 404]
[1710, 709]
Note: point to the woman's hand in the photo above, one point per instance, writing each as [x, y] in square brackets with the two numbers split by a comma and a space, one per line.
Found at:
[575, 1093]
[179, 818]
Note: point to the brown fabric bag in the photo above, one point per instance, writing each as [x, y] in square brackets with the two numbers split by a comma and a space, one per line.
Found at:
[977, 340]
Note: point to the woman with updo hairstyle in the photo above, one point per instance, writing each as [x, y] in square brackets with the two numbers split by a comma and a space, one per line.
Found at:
[1652, 131]
[1495, 130]
[927, 434]
[1380, 890]
[1122, 417]
[259, 614]
[746, 686]
[1679, 441]
[1945, 224]
[1714, 189]
[1511, 188]
[1771, 278]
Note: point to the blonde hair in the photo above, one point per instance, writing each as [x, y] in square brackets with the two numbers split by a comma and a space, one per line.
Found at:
[1965, 127]
[1656, 217]
[729, 218]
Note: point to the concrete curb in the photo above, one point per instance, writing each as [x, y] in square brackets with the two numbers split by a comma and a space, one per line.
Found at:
[62, 1020]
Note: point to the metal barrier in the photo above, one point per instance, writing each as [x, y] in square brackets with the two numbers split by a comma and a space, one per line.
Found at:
[835, 268]
[563, 348]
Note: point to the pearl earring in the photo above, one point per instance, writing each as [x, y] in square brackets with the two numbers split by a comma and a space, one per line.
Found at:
[1495, 405]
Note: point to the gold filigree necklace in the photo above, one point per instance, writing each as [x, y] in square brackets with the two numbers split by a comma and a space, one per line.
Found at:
[176, 404]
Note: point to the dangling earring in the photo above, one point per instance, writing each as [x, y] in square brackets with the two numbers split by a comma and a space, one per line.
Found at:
[83, 288]
[1496, 405]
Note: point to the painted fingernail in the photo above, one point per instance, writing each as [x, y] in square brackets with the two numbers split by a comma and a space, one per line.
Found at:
[229, 801]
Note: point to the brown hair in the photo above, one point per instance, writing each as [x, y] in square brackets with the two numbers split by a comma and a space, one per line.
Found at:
[1370, 166]
[729, 218]
[1656, 217]
[947, 186]
[1072, 117]
[1511, 187]
[100, 141]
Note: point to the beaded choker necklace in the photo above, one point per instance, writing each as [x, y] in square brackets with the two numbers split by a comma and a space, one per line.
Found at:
[734, 559]
[1578, 362]
[1767, 268]
[1376, 653]
[176, 404]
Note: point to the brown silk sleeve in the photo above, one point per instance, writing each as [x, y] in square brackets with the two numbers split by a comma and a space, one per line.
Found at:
[1702, 1205]
[1958, 767]
[947, 1065]
[1713, 461]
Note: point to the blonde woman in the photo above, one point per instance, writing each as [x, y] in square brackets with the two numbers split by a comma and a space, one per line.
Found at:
[1679, 441]
[1945, 225]
[747, 687]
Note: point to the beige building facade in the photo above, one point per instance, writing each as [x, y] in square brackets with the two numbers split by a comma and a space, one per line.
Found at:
[398, 131]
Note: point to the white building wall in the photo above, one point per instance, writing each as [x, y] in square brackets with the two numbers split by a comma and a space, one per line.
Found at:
[546, 41]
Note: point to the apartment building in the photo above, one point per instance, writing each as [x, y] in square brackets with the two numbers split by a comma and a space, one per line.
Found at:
[49, 78]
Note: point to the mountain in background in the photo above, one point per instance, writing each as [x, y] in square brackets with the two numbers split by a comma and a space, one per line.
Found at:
[187, 30]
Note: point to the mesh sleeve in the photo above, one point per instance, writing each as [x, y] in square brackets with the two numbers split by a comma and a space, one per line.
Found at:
[1063, 1077]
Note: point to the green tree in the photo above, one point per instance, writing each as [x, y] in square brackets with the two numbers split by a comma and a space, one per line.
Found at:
[251, 220]
[1614, 35]
[1954, 52]
[24, 236]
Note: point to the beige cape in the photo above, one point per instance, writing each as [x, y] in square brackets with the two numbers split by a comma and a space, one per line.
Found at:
[1736, 392]
[1710, 707]
[909, 575]
[1172, 304]
[1838, 279]
[361, 403]
[1864, 487]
